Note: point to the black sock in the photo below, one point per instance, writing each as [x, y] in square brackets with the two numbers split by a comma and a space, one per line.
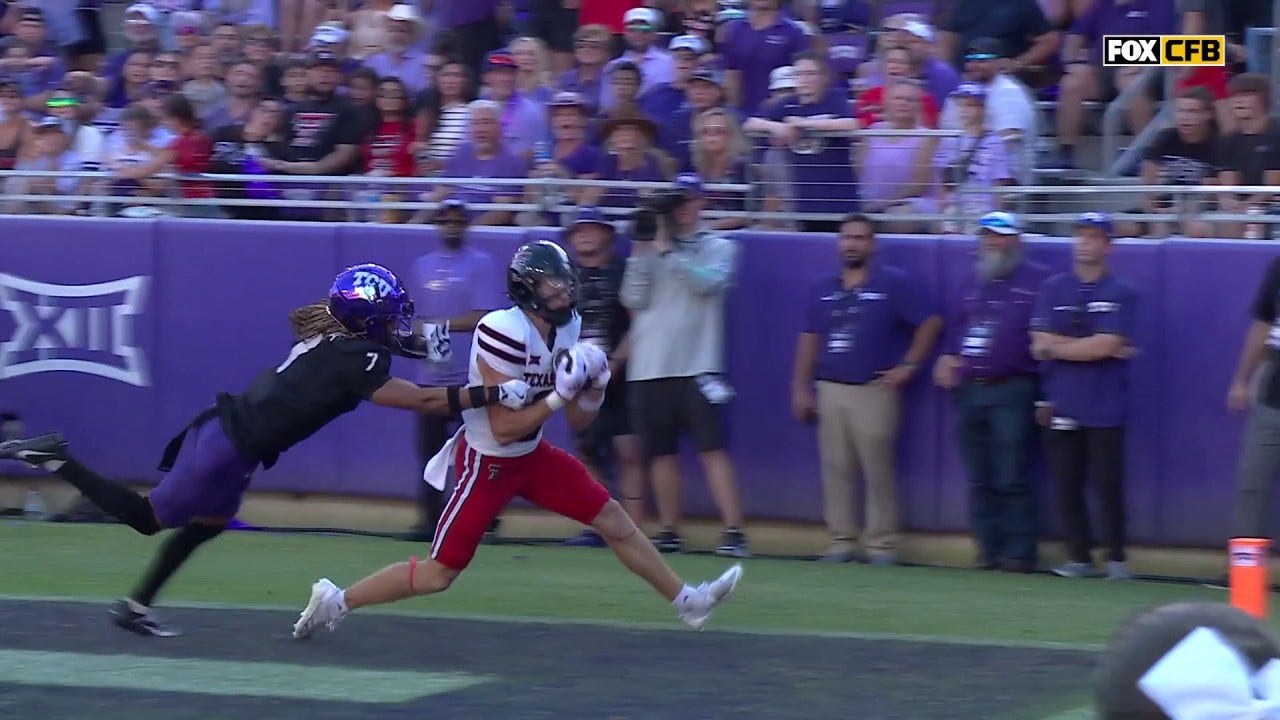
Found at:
[175, 551]
[112, 497]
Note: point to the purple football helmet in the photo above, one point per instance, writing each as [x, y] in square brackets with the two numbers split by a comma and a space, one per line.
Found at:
[370, 301]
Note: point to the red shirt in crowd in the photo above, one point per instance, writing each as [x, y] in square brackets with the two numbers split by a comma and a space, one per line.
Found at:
[387, 151]
[869, 108]
[606, 12]
[192, 150]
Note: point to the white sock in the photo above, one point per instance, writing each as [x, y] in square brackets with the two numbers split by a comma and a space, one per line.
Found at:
[685, 598]
[342, 602]
[138, 607]
[53, 466]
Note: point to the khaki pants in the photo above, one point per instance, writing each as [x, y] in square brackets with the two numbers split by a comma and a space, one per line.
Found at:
[857, 434]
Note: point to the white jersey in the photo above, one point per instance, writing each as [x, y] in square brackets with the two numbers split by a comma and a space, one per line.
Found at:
[512, 346]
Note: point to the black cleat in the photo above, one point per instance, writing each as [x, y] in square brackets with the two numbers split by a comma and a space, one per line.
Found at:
[35, 451]
[140, 623]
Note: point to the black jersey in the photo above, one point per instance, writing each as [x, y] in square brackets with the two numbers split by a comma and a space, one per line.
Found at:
[321, 379]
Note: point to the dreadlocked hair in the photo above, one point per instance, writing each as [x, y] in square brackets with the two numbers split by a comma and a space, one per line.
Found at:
[315, 319]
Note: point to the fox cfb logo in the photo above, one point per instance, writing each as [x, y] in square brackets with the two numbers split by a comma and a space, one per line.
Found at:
[1176, 50]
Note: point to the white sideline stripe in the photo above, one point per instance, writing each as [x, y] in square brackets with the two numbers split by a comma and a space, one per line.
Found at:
[612, 624]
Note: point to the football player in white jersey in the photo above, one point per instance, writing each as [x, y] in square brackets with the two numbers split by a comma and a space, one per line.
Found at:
[500, 453]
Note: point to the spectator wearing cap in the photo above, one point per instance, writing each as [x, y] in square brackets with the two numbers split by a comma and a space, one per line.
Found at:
[39, 67]
[1083, 333]
[721, 155]
[524, 122]
[400, 57]
[324, 132]
[1087, 79]
[630, 157]
[141, 34]
[533, 69]
[821, 165]
[1184, 155]
[752, 47]
[867, 328]
[663, 100]
[571, 154]
[483, 156]
[987, 367]
[1251, 154]
[442, 116]
[1011, 111]
[898, 65]
[940, 77]
[703, 92]
[15, 128]
[239, 149]
[49, 152]
[186, 30]
[300, 18]
[656, 65]
[454, 286]
[977, 160]
[590, 55]
[205, 90]
[475, 24]
[1018, 25]
[675, 286]
[898, 177]
[607, 324]
[333, 39]
[84, 139]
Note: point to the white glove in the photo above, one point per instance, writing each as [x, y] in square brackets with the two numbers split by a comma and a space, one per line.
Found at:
[596, 362]
[514, 394]
[571, 374]
[439, 345]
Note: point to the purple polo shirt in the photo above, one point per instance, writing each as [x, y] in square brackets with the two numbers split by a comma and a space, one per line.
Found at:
[464, 164]
[455, 13]
[1136, 17]
[524, 123]
[583, 160]
[867, 330]
[989, 329]
[409, 67]
[821, 171]
[590, 90]
[756, 53]
[1094, 394]
[448, 283]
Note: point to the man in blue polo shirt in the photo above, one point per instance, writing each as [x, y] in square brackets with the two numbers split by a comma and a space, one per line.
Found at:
[865, 332]
[1082, 331]
[987, 363]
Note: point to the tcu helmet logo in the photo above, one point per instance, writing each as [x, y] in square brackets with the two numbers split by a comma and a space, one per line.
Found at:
[372, 286]
[74, 328]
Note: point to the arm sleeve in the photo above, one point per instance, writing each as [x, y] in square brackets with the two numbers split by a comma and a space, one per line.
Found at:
[711, 271]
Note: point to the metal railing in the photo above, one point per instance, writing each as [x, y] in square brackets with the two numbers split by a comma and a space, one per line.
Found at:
[1184, 202]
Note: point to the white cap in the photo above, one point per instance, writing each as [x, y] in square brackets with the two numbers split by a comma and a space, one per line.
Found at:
[695, 43]
[328, 35]
[919, 29]
[404, 12]
[639, 15]
[782, 78]
[145, 10]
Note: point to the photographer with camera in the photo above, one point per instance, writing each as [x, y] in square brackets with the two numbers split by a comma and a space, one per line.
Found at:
[675, 285]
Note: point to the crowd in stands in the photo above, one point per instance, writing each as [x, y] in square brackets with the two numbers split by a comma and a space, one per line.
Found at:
[808, 107]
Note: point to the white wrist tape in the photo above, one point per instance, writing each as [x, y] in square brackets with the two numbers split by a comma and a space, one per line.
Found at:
[555, 401]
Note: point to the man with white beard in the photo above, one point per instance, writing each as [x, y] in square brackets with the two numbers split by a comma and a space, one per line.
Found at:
[986, 362]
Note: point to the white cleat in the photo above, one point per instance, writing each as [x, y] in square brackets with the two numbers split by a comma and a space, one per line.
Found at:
[326, 608]
[709, 596]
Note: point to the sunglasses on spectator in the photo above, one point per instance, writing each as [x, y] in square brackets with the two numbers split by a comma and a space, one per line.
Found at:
[61, 102]
[980, 56]
[640, 27]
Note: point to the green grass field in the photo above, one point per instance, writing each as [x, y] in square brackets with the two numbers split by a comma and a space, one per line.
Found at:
[96, 562]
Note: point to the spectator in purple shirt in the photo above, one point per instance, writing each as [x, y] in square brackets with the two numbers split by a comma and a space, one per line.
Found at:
[590, 54]
[656, 65]
[751, 48]
[1086, 79]
[401, 58]
[524, 122]
[484, 156]
[533, 69]
[454, 285]
[663, 100]
[630, 157]
[571, 154]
